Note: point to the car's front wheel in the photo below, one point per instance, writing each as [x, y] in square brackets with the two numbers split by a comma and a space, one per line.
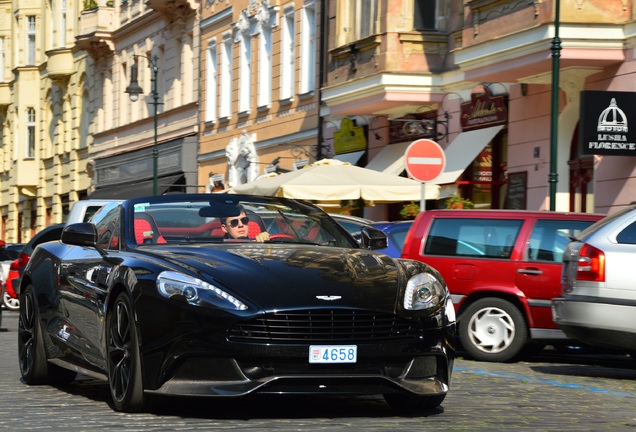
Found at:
[410, 403]
[31, 353]
[124, 364]
[493, 329]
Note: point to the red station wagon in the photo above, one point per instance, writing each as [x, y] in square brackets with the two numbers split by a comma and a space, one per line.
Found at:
[502, 268]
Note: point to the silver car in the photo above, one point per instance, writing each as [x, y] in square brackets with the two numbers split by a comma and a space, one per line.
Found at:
[597, 305]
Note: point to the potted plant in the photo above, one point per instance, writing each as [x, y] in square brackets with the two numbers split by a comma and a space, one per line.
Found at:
[410, 211]
[457, 202]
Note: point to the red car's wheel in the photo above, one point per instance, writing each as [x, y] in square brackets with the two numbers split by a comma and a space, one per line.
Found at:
[10, 302]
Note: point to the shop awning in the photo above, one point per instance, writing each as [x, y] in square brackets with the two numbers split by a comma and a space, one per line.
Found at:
[463, 150]
[390, 160]
[173, 183]
[352, 157]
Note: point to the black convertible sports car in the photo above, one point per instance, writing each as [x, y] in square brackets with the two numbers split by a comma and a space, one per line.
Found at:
[153, 296]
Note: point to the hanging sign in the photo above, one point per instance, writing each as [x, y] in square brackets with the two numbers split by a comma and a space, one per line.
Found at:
[604, 127]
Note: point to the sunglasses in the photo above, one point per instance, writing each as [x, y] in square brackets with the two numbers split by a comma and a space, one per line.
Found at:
[234, 222]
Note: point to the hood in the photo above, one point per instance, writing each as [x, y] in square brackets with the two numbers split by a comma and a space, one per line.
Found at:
[297, 276]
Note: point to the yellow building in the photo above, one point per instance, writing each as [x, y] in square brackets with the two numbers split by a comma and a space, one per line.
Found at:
[44, 126]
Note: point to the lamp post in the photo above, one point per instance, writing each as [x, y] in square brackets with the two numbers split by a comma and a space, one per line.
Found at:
[554, 114]
[134, 90]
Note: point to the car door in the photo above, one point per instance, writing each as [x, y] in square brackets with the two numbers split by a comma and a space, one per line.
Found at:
[86, 275]
[473, 254]
[539, 271]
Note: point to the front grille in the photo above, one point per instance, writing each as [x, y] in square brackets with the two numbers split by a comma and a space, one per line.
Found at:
[323, 326]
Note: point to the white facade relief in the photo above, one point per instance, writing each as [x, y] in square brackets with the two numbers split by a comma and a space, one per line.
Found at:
[242, 160]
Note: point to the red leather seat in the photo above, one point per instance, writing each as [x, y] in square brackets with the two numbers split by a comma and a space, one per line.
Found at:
[146, 230]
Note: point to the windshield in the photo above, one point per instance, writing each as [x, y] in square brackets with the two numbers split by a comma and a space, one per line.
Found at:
[221, 218]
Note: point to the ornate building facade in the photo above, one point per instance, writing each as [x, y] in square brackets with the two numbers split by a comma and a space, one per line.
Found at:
[150, 142]
[45, 132]
[260, 88]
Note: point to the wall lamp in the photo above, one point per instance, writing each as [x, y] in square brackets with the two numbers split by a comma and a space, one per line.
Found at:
[426, 127]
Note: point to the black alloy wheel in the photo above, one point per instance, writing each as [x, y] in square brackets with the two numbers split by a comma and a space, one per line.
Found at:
[123, 359]
[34, 367]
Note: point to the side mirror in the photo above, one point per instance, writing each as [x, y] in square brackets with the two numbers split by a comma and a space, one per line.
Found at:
[373, 238]
[80, 234]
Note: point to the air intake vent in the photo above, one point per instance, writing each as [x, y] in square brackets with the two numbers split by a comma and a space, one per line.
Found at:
[323, 326]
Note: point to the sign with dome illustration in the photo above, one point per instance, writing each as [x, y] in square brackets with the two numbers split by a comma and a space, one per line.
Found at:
[604, 128]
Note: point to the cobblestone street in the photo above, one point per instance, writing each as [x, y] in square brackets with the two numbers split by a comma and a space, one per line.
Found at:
[588, 393]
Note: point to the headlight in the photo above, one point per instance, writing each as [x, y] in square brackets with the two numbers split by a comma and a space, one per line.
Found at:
[195, 291]
[424, 292]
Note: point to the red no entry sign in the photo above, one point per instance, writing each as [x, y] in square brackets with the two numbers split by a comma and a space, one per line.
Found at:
[424, 160]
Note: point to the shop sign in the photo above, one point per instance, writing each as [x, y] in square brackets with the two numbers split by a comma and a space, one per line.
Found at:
[349, 138]
[136, 165]
[483, 110]
[603, 126]
[482, 169]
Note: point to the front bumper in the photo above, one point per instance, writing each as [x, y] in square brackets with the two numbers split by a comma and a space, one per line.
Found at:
[420, 367]
[425, 375]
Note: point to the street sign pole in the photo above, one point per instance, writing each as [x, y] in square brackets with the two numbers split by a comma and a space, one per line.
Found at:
[424, 160]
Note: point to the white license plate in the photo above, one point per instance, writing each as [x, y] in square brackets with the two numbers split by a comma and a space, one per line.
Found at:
[333, 353]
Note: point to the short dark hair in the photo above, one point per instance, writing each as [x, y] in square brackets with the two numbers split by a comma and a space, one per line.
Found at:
[240, 209]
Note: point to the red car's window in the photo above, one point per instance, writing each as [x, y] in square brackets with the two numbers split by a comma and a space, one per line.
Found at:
[550, 237]
[487, 238]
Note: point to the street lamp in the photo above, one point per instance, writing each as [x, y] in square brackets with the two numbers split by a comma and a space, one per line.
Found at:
[134, 90]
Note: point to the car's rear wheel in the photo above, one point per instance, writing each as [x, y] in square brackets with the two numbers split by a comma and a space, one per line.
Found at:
[493, 329]
[409, 403]
[9, 302]
[124, 364]
[31, 353]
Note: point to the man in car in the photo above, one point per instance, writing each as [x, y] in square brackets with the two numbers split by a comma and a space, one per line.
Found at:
[236, 227]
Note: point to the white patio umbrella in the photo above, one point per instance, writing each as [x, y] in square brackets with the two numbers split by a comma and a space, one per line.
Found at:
[332, 180]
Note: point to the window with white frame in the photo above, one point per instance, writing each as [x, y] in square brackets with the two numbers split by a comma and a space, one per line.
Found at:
[265, 66]
[49, 142]
[85, 129]
[308, 48]
[188, 69]
[211, 71]
[108, 100]
[62, 17]
[245, 71]
[355, 20]
[30, 51]
[288, 57]
[51, 40]
[225, 102]
[30, 132]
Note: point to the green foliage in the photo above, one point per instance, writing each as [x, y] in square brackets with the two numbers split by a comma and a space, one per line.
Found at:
[410, 211]
[89, 4]
[457, 202]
